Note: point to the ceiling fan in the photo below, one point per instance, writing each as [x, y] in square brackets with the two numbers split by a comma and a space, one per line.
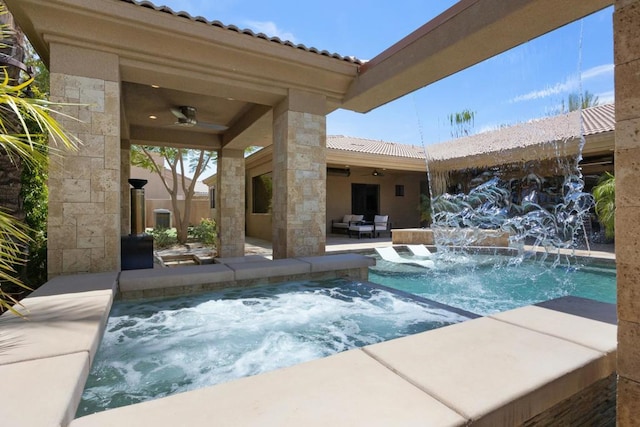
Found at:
[376, 173]
[186, 116]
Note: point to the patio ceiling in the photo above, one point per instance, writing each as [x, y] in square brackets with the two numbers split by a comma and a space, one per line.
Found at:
[235, 78]
[231, 77]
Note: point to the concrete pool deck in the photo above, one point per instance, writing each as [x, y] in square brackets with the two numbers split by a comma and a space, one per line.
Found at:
[503, 369]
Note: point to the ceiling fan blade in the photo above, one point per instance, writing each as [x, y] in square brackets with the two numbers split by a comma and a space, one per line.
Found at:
[178, 113]
[212, 126]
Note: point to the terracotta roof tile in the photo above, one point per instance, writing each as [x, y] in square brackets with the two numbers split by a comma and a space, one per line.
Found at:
[369, 146]
[599, 119]
[248, 32]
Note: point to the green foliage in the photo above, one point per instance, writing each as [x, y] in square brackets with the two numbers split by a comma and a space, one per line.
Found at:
[605, 196]
[40, 87]
[575, 102]
[462, 123]
[205, 232]
[26, 124]
[164, 237]
[425, 208]
[179, 161]
[34, 196]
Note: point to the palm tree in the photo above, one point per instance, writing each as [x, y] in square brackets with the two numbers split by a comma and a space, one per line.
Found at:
[25, 124]
[579, 102]
[605, 195]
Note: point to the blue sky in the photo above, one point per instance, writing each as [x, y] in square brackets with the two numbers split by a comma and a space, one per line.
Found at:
[527, 82]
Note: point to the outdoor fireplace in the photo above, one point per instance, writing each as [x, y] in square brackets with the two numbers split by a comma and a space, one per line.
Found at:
[137, 247]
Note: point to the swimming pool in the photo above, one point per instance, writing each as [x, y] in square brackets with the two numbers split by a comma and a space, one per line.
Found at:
[485, 284]
[155, 348]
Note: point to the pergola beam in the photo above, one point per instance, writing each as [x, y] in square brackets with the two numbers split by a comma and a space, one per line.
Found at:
[464, 35]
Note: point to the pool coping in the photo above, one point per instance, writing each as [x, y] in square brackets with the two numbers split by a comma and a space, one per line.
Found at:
[54, 349]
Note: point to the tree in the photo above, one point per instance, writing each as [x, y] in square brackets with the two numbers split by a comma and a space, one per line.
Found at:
[462, 123]
[576, 102]
[605, 196]
[153, 159]
[25, 124]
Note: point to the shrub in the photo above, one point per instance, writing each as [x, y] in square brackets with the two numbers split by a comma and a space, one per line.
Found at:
[164, 237]
[205, 232]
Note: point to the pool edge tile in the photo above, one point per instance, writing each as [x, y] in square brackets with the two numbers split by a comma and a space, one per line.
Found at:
[485, 368]
[43, 392]
[345, 389]
[600, 336]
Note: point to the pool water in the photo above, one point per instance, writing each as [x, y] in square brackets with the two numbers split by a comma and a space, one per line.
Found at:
[155, 348]
[486, 285]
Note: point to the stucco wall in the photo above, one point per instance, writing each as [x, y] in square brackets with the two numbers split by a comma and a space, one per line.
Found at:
[199, 210]
[403, 211]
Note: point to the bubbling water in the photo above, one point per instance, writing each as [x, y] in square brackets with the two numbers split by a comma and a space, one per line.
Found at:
[156, 348]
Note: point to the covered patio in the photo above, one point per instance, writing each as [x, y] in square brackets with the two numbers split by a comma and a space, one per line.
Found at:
[119, 62]
[247, 89]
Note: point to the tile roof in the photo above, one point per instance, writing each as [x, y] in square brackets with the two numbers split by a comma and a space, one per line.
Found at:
[595, 120]
[369, 146]
[599, 119]
[186, 15]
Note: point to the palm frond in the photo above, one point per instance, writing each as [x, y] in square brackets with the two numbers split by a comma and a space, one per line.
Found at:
[604, 194]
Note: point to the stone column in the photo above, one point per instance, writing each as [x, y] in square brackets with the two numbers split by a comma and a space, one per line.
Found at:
[230, 203]
[84, 186]
[125, 188]
[299, 176]
[626, 26]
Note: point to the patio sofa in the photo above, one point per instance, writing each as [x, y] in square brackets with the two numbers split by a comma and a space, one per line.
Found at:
[342, 225]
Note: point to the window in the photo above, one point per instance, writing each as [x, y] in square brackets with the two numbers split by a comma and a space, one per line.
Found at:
[262, 193]
[399, 190]
[212, 198]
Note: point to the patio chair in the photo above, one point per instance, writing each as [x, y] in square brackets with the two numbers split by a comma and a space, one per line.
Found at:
[419, 250]
[390, 254]
[381, 224]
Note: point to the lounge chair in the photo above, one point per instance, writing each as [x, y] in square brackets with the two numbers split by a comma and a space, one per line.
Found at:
[390, 254]
[419, 250]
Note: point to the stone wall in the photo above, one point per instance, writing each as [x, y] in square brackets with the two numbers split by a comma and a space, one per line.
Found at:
[84, 186]
[299, 179]
[626, 22]
[230, 203]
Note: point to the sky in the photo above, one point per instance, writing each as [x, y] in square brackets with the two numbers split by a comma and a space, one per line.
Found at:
[525, 83]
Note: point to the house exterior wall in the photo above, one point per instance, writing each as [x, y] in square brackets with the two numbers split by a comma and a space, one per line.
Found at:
[259, 225]
[402, 210]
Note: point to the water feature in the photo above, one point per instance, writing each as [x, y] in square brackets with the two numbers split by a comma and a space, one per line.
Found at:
[523, 179]
[154, 348]
[486, 284]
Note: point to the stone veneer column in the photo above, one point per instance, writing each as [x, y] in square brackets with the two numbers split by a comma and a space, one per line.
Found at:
[84, 186]
[125, 188]
[626, 28]
[230, 203]
[299, 176]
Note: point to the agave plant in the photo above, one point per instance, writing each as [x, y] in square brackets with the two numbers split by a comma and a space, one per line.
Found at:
[605, 196]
